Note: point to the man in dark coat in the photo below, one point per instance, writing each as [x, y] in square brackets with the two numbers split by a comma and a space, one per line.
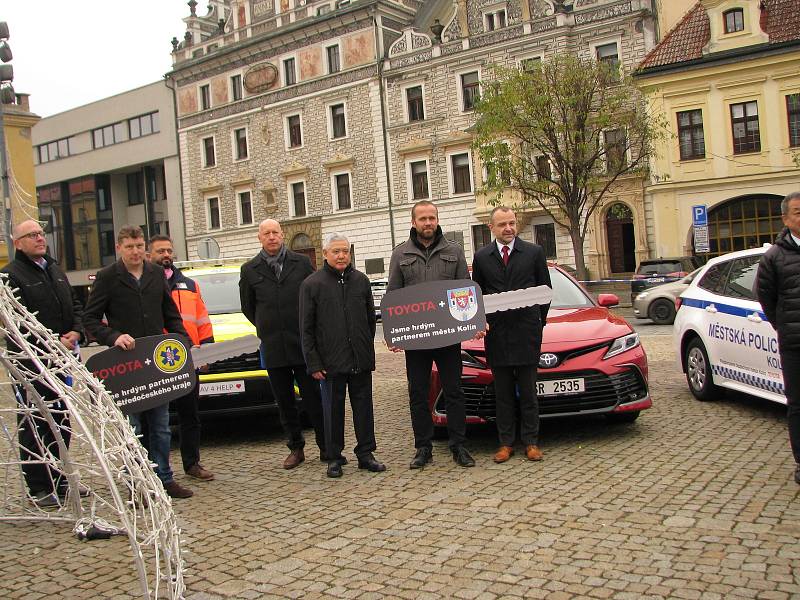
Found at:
[42, 287]
[514, 339]
[269, 289]
[778, 289]
[428, 256]
[133, 295]
[337, 317]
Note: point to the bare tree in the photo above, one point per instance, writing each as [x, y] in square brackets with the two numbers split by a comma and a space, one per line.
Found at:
[563, 132]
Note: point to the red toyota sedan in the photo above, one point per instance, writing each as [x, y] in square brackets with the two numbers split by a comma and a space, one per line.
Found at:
[591, 363]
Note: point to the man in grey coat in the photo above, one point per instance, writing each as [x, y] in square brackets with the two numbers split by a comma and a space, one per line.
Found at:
[428, 256]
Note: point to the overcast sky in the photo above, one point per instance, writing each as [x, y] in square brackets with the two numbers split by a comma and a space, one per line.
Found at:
[70, 53]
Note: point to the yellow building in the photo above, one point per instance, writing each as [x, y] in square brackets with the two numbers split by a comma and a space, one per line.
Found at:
[17, 123]
[727, 79]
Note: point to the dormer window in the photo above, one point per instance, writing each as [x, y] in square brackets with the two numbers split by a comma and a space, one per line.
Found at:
[495, 19]
[734, 20]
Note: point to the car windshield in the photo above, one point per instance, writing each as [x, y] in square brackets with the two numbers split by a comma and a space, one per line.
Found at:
[566, 294]
[660, 268]
[220, 292]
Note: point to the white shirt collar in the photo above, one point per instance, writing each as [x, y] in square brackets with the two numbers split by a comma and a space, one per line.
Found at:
[501, 244]
[795, 238]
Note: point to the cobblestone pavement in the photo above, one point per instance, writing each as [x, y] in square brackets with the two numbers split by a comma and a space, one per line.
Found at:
[694, 500]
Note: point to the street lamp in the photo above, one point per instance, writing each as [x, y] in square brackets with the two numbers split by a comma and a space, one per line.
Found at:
[7, 96]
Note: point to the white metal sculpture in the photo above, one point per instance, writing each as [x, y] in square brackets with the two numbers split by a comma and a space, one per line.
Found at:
[108, 483]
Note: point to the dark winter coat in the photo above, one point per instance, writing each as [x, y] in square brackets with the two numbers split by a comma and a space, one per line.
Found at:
[272, 305]
[778, 289]
[139, 309]
[412, 263]
[515, 336]
[46, 292]
[338, 321]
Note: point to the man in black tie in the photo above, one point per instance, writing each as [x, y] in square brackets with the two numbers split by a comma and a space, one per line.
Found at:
[514, 339]
[269, 289]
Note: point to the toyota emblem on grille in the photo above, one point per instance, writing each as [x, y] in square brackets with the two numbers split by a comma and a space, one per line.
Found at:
[548, 360]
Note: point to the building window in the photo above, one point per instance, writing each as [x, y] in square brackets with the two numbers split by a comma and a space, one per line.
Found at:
[332, 54]
[543, 170]
[135, 195]
[470, 90]
[205, 97]
[342, 184]
[108, 135]
[748, 222]
[298, 198]
[214, 221]
[53, 150]
[529, 65]
[793, 116]
[608, 54]
[245, 208]
[289, 75]
[324, 9]
[494, 20]
[209, 153]
[143, 125]
[615, 142]
[295, 131]
[744, 126]
[481, 236]
[545, 236]
[415, 103]
[419, 180]
[690, 134]
[734, 20]
[338, 122]
[461, 173]
[236, 87]
[240, 143]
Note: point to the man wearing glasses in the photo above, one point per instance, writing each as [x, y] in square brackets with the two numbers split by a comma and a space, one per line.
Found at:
[42, 287]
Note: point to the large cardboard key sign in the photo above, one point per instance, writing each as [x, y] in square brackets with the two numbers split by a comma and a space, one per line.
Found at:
[432, 314]
[159, 369]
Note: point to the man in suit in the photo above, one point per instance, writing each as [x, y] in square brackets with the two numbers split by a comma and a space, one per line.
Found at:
[514, 337]
[42, 287]
[133, 295]
[269, 289]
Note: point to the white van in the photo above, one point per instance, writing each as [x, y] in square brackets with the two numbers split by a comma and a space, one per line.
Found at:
[722, 337]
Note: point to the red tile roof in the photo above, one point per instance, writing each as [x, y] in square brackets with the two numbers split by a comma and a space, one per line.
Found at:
[779, 18]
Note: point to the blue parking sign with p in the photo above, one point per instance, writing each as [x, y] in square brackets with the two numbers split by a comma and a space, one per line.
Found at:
[699, 215]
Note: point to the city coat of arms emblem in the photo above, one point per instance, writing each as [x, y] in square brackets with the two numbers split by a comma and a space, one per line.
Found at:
[463, 303]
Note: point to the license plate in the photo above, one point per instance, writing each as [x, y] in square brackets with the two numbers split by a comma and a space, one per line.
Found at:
[222, 387]
[656, 280]
[560, 386]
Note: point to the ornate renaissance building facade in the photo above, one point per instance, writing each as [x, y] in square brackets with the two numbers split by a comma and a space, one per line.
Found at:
[338, 116]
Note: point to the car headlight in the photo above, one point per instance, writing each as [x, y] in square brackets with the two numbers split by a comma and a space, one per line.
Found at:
[622, 344]
[470, 361]
[642, 295]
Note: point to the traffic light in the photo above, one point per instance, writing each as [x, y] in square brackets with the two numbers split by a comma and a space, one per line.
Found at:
[7, 94]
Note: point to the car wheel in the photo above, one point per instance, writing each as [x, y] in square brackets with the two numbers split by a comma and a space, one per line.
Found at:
[623, 417]
[698, 372]
[662, 312]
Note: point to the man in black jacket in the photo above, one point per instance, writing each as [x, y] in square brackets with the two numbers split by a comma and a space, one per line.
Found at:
[269, 289]
[42, 287]
[778, 289]
[337, 317]
[514, 339]
[133, 295]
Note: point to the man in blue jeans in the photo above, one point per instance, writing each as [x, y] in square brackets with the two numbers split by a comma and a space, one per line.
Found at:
[133, 295]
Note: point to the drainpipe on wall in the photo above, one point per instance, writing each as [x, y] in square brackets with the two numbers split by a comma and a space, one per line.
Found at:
[384, 136]
[167, 81]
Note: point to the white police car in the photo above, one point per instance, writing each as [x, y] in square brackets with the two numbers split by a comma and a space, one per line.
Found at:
[722, 337]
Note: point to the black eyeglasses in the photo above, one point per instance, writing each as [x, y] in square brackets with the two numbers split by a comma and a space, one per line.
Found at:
[32, 235]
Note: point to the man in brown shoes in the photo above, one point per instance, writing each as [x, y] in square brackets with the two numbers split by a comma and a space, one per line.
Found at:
[514, 338]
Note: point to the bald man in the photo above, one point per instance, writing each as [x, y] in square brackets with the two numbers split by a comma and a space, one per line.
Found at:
[42, 287]
[269, 288]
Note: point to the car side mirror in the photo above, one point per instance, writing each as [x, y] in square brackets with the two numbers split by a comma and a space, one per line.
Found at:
[607, 300]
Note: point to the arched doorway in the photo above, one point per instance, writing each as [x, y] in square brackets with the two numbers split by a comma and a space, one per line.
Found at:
[302, 244]
[744, 222]
[621, 239]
